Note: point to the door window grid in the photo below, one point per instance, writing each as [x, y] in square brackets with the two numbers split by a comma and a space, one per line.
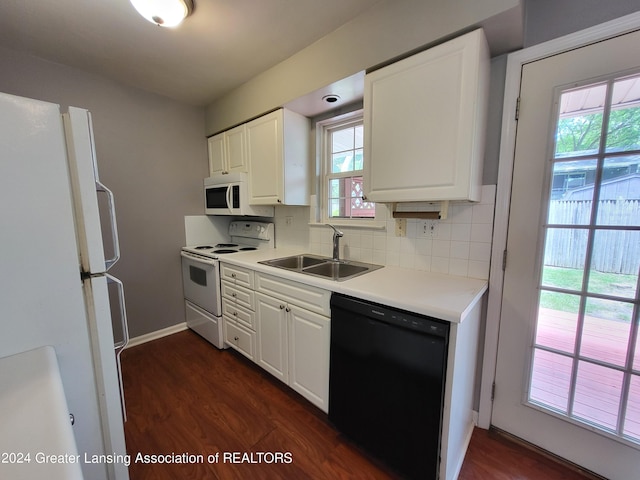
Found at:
[583, 368]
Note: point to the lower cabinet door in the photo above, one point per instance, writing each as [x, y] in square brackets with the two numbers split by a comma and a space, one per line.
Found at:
[271, 330]
[309, 336]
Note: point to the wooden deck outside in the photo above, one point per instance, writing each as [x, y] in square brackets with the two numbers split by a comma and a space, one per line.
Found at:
[597, 395]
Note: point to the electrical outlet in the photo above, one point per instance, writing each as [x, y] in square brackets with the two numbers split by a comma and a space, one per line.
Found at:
[401, 227]
[429, 228]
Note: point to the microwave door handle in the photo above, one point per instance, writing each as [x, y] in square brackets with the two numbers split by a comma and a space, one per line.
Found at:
[229, 198]
[114, 226]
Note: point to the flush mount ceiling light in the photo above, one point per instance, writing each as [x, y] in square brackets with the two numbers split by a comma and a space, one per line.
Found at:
[166, 13]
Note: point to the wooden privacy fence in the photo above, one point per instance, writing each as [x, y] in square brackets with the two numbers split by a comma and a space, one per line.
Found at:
[615, 251]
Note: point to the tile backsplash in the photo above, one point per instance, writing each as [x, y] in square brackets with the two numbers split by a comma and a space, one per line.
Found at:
[459, 245]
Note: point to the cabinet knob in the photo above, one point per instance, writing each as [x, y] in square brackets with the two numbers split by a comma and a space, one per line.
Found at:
[236, 338]
[281, 307]
[234, 294]
[233, 275]
[287, 309]
[235, 314]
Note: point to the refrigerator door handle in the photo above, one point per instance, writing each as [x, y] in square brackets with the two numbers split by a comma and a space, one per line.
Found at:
[120, 346]
[123, 313]
[114, 226]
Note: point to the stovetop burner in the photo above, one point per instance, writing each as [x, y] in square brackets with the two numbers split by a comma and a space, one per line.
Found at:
[245, 249]
[225, 250]
[226, 245]
[203, 247]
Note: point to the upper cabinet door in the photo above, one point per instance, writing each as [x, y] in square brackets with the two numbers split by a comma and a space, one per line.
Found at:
[215, 147]
[424, 124]
[236, 148]
[228, 152]
[264, 139]
[278, 152]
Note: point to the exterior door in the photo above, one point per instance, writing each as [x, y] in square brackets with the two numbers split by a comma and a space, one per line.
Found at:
[568, 366]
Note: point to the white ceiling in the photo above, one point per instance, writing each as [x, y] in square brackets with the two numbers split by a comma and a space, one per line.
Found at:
[222, 45]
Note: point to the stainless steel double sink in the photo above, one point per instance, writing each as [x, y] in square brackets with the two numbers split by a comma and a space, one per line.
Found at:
[324, 267]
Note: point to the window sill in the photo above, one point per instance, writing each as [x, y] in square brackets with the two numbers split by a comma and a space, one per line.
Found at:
[364, 224]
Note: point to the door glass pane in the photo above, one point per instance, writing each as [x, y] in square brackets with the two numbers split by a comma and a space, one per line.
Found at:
[597, 397]
[636, 358]
[619, 202]
[605, 333]
[551, 379]
[624, 133]
[615, 263]
[632, 422]
[557, 321]
[572, 191]
[564, 257]
[580, 121]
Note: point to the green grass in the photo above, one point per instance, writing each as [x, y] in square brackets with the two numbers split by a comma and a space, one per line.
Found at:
[603, 283]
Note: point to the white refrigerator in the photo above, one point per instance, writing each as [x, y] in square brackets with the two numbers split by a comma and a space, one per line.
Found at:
[54, 285]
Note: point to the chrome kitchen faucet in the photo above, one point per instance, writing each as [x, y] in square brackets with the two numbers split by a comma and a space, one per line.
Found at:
[336, 242]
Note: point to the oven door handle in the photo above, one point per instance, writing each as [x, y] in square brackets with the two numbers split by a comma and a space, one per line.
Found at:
[208, 261]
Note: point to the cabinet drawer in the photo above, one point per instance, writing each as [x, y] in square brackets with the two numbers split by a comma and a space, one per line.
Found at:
[295, 293]
[238, 294]
[237, 275]
[240, 338]
[241, 315]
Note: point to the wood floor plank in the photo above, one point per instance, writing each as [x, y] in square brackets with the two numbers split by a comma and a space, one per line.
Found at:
[185, 396]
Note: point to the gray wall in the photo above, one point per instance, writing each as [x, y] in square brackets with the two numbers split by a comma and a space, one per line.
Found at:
[548, 19]
[389, 29]
[152, 153]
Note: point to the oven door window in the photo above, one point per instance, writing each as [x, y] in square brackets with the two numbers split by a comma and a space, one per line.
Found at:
[201, 283]
[198, 275]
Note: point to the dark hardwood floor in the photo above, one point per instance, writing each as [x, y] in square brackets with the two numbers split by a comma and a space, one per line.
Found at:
[186, 397]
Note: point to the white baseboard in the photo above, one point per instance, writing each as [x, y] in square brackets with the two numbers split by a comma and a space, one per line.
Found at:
[147, 337]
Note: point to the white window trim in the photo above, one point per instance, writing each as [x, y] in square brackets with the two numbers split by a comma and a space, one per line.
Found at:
[322, 166]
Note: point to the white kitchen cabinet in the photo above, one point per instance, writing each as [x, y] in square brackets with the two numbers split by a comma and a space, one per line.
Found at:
[424, 124]
[309, 345]
[228, 152]
[272, 351]
[238, 309]
[292, 335]
[278, 153]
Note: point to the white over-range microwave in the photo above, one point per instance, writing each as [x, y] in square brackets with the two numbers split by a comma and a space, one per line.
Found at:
[229, 195]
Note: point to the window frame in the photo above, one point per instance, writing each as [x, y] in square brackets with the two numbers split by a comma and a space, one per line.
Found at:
[324, 174]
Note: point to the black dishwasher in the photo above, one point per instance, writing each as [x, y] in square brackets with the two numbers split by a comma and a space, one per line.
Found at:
[386, 383]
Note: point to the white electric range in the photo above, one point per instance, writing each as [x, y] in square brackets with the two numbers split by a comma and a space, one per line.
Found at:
[201, 275]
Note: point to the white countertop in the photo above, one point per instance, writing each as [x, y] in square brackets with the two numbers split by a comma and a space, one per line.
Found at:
[34, 419]
[446, 297]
